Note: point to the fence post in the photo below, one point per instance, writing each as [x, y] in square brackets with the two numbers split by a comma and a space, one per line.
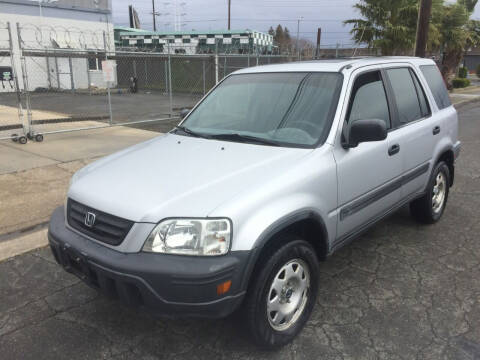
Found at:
[47, 60]
[23, 66]
[56, 69]
[146, 72]
[110, 113]
[15, 75]
[88, 76]
[216, 68]
[204, 77]
[336, 50]
[170, 83]
[72, 84]
[225, 66]
[166, 76]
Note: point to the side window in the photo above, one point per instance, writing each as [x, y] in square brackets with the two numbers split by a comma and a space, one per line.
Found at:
[437, 85]
[421, 96]
[369, 100]
[405, 94]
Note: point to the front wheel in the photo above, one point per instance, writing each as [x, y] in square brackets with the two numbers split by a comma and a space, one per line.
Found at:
[430, 207]
[282, 294]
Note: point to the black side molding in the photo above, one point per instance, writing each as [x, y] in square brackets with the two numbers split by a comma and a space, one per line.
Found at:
[381, 192]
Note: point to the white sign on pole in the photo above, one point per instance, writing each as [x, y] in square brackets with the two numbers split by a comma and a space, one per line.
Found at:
[109, 68]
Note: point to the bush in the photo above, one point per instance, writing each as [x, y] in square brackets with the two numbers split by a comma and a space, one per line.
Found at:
[460, 83]
[478, 70]
[463, 72]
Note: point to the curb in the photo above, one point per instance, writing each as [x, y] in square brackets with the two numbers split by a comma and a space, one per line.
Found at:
[466, 102]
[23, 244]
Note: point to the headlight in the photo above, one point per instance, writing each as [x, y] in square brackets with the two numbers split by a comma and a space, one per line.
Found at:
[200, 237]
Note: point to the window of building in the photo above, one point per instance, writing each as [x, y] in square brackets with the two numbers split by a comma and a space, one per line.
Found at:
[95, 60]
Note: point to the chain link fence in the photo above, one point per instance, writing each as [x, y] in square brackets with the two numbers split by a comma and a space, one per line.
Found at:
[75, 80]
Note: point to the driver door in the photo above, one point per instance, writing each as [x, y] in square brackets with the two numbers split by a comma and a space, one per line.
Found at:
[369, 175]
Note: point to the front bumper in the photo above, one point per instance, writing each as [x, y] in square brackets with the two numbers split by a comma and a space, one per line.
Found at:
[169, 285]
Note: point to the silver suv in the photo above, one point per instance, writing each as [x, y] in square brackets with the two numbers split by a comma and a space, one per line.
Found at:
[275, 169]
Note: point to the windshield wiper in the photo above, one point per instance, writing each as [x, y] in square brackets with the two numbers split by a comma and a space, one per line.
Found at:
[244, 138]
[190, 132]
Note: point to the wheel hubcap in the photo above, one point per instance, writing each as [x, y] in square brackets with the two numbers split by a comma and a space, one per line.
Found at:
[288, 294]
[438, 193]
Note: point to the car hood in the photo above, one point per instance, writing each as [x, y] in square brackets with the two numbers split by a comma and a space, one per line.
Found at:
[178, 176]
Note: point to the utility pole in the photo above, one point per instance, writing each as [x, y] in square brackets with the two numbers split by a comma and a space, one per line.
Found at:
[422, 27]
[319, 37]
[229, 13]
[298, 36]
[154, 16]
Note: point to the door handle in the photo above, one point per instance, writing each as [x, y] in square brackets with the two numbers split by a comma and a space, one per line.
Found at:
[436, 130]
[394, 149]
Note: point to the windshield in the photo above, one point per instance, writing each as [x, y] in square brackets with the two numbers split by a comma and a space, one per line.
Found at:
[271, 108]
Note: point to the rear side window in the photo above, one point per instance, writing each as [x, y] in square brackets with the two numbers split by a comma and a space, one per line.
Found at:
[421, 96]
[437, 85]
[405, 94]
[369, 100]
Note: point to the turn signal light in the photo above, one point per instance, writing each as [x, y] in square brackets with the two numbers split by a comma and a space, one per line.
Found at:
[224, 287]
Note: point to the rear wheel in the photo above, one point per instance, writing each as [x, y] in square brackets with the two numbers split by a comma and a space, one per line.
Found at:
[429, 208]
[282, 293]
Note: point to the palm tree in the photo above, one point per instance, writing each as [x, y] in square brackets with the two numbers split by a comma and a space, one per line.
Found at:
[388, 25]
[458, 33]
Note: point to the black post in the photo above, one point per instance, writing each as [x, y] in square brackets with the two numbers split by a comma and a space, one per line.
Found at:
[130, 15]
[154, 16]
[422, 27]
[229, 13]
[319, 37]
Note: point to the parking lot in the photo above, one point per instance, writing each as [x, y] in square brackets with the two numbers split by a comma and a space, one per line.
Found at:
[401, 291]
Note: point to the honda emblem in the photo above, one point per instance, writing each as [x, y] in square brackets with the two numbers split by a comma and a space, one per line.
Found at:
[89, 219]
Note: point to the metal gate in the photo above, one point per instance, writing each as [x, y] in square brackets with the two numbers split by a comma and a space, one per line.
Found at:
[13, 118]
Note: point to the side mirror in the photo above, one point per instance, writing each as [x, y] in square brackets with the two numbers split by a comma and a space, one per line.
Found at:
[364, 131]
[184, 112]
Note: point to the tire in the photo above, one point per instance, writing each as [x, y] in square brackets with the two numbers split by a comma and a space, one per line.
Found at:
[39, 138]
[22, 140]
[264, 325]
[429, 208]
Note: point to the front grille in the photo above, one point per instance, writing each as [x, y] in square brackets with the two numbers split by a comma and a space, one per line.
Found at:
[106, 228]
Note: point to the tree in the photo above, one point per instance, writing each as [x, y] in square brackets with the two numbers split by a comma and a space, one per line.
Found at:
[271, 31]
[458, 33]
[286, 34]
[281, 37]
[391, 26]
[386, 24]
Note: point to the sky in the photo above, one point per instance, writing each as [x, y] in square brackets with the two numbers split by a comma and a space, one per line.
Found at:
[252, 14]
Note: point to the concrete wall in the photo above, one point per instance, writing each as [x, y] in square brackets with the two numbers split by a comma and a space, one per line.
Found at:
[69, 28]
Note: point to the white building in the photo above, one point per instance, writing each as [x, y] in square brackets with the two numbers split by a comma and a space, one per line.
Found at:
[59, 28]
[195, 42]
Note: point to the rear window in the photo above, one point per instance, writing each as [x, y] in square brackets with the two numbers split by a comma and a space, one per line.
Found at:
[436, 84]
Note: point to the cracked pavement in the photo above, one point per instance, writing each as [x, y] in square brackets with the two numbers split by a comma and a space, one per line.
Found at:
[401, 291]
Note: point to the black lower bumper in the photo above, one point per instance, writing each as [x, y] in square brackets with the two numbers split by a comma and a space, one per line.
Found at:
[164, 284]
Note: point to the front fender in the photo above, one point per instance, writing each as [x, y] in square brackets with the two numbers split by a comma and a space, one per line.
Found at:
[309, 187]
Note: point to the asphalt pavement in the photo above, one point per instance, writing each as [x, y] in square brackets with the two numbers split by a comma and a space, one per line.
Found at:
[401, 291]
